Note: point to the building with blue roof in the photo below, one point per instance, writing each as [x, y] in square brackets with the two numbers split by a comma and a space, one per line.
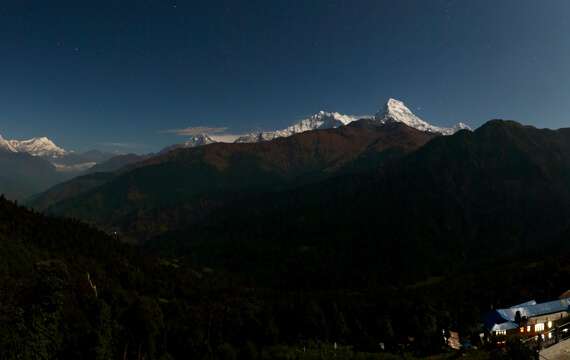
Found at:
[529, 319]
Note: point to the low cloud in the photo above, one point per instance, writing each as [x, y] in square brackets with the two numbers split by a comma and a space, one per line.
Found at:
[196, 130]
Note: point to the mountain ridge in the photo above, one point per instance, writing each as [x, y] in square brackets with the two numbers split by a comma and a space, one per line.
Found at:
[34, 165]
[205, 175]
[41, 146]
[394, 110]
[499, 192]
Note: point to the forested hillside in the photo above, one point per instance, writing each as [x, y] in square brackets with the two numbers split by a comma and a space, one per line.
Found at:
[427, 242]
[168, 191]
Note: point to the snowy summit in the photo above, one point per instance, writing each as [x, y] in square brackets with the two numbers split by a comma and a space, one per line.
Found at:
[393, 111]
[6, 146]
[397, 111]
[320, 120]
[41, 146]
[193, 141]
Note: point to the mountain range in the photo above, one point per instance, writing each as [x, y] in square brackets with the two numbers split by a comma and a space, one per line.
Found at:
[393, 111]
[457, 203]
[33, 165]
[61, 164]
[42, 146]
[189, 181]
[45, 148]
[329, 234]
[370, 196]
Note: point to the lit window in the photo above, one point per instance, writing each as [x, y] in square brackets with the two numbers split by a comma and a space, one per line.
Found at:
[539, 327]
[522, 329]
[528, 328]
[549, 324]
[550, 335]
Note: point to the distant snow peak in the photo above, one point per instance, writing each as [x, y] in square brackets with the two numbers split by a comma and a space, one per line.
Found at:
[320, 120]
[461, 126]
[193, 141]
[397, 111]
[198, 140]
[41, 146]
[6, 146]
[393, 111]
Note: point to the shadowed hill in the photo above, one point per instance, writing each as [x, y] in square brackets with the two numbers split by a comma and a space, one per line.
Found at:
[159, 193]
[459, 202]
[440, 234]
[117, 162]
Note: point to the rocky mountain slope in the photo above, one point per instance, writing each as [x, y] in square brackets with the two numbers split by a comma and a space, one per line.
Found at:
[188, 182]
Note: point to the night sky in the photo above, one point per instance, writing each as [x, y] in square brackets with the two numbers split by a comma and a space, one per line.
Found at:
[117, 75]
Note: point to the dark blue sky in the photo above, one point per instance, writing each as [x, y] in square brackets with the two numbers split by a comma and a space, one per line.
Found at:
[89, 74]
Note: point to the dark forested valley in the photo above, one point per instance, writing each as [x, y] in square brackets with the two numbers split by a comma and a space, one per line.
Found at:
[369, 247]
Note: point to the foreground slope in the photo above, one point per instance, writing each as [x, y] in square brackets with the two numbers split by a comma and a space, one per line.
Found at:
[71, 292]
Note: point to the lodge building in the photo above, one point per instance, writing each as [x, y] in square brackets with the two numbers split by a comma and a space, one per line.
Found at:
[529, 319]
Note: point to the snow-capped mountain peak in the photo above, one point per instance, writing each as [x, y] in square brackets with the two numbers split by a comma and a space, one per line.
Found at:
[320, 120]
[6, 146]
[397, 111]
[199, 140]
[193, 141]
[41, 146]
[461, 126]
[393, 111]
